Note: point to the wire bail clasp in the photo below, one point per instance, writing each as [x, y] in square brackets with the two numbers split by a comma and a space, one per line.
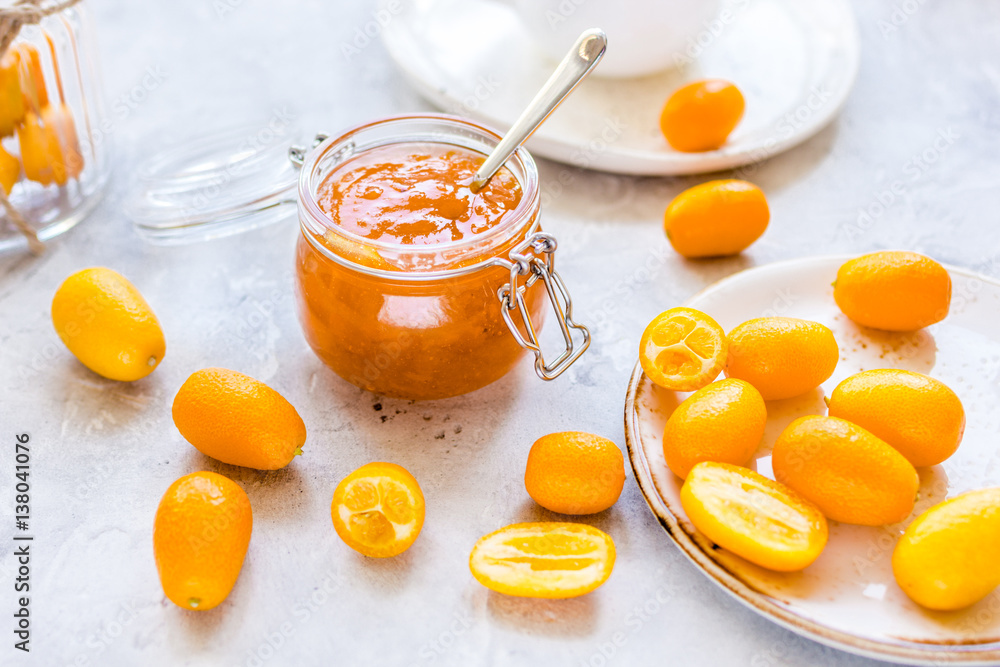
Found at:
[297, 154]
[535, 258]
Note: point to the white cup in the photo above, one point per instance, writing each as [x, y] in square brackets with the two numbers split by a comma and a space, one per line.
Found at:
[644, 36]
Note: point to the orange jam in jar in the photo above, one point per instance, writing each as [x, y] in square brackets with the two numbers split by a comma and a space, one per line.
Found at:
[416, 194]
[401, 269]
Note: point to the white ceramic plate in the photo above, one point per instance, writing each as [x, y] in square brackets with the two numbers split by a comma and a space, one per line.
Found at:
[794, 61]
[848, 598]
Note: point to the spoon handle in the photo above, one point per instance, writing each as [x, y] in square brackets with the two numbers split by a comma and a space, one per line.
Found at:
[587, 51]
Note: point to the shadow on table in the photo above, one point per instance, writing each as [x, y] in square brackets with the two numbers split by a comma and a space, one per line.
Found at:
[201, 627]
[387, 576]
[435, 440]
[593, 196]
[573, 617]
[610, 521]
[275, 495]
[200, 630]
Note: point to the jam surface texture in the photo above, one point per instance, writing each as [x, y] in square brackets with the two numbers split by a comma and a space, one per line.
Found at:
[416, 194]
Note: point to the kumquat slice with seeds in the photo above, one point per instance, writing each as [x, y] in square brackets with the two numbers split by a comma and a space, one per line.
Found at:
[378, 510]
[683, 349]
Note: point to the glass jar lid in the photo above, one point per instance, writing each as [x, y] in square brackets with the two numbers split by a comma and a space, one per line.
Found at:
[214, 186]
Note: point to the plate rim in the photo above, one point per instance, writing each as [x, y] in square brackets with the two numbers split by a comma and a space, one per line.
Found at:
[667, 163]
[747, 596]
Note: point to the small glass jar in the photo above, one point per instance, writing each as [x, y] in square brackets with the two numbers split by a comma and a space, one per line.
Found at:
[54, 129]
[427, 321]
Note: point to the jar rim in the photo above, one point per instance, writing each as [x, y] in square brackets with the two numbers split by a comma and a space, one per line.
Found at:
[524, 170]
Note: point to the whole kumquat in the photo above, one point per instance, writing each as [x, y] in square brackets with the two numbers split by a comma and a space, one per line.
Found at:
[722, 422]
[238, 420]
[107, 324]
[701, 115]
[947, 558]
[893, 290]
[200, 538]
[717, 218]
[919, 416]
[574, 473]
[782, 356]
[847, 472]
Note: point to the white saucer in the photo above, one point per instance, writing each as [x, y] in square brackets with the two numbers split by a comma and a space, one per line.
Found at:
[794, 61]
[848, 598]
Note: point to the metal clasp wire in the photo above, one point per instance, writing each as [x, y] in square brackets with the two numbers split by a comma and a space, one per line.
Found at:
[535, 258]
[297, 154]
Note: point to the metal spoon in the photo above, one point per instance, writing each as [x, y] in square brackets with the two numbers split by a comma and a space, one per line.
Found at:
[582, 58]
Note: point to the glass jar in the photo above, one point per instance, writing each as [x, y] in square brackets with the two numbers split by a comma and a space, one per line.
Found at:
[427, 321]
[54, 129]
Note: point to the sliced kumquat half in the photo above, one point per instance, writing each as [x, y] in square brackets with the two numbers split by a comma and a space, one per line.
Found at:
[10, 171]
[548, 559]
[683, 349]
[11, 101]
[378, 510]
[754, 517]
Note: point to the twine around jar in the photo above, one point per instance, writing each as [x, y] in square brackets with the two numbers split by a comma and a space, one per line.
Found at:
[12, 17]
